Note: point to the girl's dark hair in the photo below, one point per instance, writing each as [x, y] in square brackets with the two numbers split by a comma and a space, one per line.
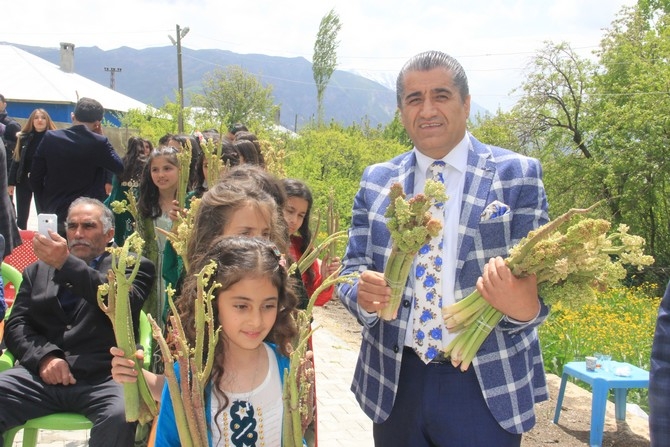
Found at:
[147, 203]
[237, 258]
[151, 145]
[265, 180]
[247, 151]
[229, 154]
[246, 135]
[296, 188]
[257, 177]
[196, 177]
[133, 161]
[215, 211]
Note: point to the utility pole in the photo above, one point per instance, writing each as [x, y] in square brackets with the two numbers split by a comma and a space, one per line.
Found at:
[180, 34]
[112, 80]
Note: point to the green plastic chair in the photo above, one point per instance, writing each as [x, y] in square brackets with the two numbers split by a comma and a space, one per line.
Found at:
[11, 281]
[66, 421]
[11, 278]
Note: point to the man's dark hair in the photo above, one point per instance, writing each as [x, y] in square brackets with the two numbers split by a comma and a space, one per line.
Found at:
[88, 110]
[430, 60]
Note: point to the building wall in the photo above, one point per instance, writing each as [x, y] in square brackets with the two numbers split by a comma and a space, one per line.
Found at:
[59, 112]
[118, 136]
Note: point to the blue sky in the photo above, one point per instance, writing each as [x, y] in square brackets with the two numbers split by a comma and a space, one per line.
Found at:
[494, 40]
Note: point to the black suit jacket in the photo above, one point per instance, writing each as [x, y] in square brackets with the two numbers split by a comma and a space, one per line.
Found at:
[71, 163]
[38, 326]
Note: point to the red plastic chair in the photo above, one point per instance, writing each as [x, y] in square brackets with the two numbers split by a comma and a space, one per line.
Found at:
[20, 258]
[23, 255]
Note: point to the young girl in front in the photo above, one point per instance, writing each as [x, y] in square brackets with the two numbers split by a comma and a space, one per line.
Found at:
[297, 212]
[235, 208]
[253, 305]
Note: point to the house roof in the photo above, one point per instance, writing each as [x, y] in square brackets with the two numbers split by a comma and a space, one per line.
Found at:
[32, 79]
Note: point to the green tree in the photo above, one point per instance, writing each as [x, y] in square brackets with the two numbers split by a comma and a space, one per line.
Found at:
[396, 131]
[324, 60]
[334, 158]
[633, 133]
[552, 121]
[233, 95]
[500, 129]
[154, 123]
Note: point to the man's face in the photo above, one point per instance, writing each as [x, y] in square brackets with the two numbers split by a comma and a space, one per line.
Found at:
[433, 112]
[3, 106]
[85, 236]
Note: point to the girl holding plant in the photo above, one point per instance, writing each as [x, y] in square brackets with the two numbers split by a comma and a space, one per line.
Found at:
[157, 207]
[253, 303]
[128, 182]
[235, 208]
[297, 215]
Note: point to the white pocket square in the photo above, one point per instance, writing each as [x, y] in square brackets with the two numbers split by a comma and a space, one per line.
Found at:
[493, 210]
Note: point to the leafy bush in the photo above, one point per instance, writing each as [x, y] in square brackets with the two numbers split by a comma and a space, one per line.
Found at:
[620, 323]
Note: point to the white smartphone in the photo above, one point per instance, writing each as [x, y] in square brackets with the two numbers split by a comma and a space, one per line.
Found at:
[47, 222]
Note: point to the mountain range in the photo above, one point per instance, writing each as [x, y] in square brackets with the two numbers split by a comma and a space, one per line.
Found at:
[150, 76]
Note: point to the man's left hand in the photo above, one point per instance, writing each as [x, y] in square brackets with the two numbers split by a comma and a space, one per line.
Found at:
[52, 250]
[515, 297]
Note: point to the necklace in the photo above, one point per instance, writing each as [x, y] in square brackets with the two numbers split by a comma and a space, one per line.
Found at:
[245, 426]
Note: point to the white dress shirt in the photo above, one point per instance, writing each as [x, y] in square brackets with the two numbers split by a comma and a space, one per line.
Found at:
[454, 177]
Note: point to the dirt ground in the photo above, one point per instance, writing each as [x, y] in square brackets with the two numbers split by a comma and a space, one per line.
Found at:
[575, 420]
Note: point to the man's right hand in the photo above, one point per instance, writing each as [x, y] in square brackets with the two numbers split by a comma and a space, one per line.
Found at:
[56, 371]
[373, 292]
[52, 250]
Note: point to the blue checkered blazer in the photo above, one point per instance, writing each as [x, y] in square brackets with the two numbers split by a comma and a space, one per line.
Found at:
[509, 364]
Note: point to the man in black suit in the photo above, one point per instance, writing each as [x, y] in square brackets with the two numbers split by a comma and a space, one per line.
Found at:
[71, 163]
[60, 336]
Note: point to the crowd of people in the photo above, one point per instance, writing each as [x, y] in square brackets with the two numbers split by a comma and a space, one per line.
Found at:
[76, 174]
[249, 222]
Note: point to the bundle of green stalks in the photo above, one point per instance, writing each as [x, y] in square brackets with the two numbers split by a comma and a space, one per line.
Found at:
[571, 257]
[114, 300]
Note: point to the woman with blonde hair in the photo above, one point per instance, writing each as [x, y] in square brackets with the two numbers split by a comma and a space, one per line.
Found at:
[26, 144]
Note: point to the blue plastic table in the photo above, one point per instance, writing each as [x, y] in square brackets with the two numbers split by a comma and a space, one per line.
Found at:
[602, 382]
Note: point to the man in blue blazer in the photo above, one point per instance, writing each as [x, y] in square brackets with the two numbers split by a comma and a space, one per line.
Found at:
[71, 163]
[411, 402]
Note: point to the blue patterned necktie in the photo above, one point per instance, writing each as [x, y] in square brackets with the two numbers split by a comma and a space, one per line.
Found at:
[427, 324]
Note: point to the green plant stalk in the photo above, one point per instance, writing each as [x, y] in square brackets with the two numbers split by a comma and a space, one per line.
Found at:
[465, 314]
[293, 434]
[396, 273]
[478, 333]
[173, 386]
[199, 376]
[312, 253]
[184, 158]
[140, 405]
[332, 222]
[146, 230]
[293, 395]
[212, 153]
[464, 347]
[535, 236]
[188, 396]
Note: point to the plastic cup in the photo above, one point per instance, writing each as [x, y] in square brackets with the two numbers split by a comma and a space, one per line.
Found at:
[591, 363]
